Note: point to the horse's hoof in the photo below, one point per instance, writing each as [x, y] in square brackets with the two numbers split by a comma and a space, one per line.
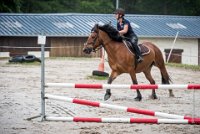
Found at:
[138, 98]
[172, 95]
[107, 96]
[154, 97]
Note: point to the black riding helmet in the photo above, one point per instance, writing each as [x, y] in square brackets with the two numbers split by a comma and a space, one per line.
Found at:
[119, 11]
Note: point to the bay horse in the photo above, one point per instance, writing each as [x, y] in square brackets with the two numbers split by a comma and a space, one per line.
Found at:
[121, 60]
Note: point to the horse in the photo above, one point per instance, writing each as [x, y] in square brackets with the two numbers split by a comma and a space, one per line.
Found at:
[121, 60]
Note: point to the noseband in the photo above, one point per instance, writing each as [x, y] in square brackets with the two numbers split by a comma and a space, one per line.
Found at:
[95, 39]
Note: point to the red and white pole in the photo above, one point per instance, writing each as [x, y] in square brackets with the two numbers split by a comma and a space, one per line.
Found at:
[123, 120]
[116, 107]
[123, 86]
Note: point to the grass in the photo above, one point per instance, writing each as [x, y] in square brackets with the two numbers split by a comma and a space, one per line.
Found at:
[184, 66]
[97, 77]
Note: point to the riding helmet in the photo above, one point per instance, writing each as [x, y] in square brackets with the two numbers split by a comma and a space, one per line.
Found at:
[119, 11]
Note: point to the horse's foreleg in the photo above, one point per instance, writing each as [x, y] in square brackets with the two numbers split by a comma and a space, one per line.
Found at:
[108, 91]
[139, 96]
[134, 80]
[110, 80]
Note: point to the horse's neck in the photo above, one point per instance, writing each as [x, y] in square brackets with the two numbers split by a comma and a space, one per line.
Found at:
[107, 41]
[105, 38]
[111, 47]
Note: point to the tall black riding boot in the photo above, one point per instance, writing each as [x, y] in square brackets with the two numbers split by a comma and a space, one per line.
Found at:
[138, 53]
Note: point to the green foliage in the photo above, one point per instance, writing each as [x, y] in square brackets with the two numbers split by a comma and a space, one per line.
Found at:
[10, 6]
[185, 66]
[96, 6]
[157, 7]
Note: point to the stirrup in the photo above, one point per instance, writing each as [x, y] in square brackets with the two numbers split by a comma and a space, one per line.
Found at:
[140, 59]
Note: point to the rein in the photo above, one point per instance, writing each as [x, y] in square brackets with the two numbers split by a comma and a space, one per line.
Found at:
[97, 49]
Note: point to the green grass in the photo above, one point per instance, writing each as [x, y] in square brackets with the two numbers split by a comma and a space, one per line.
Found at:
[184, 66]
[97, 77]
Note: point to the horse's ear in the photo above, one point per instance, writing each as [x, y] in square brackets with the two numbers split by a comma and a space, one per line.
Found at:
[96, 26]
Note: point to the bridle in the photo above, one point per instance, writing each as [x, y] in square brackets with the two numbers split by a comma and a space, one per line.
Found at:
[94, 41]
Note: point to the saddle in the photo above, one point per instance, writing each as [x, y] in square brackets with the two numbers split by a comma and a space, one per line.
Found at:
[143, 49]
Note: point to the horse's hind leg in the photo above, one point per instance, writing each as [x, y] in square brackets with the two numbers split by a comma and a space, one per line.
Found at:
[165, 78]
[166, 81]
[152, 81]
[110, 80]
[159, 62]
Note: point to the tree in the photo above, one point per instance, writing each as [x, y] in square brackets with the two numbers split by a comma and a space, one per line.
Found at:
[10, 6]
[156, 7]
[96, 6]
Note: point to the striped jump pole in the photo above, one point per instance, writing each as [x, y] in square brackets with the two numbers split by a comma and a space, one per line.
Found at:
[120, 86]
[116, 107]
[124, 120]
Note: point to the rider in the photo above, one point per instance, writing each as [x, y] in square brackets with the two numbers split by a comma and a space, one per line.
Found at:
[125, 29]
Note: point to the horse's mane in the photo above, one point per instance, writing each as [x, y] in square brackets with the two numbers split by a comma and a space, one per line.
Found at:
[111, 31]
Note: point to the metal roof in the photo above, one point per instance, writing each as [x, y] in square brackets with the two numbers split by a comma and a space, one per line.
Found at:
[79, 25]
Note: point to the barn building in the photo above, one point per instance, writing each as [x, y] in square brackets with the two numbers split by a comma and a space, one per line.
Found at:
[66, 34]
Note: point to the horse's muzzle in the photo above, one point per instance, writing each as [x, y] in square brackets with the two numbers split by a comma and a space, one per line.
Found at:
[87, 50]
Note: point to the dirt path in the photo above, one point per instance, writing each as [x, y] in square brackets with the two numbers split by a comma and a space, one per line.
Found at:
[20, 99]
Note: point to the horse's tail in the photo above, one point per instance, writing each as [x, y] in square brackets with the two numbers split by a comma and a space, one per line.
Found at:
[159, 62]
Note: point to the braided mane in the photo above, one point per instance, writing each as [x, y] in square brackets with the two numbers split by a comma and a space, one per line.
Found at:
[111, 31]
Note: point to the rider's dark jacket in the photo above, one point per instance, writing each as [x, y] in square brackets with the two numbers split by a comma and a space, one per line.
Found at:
[130, 33]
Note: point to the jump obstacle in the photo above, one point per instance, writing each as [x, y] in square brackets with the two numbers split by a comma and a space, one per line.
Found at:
[123, 86]
[175, 119]
[115, 107]
[172, 117]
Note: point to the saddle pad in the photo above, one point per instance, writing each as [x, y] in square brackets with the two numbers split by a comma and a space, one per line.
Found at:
[143, 49]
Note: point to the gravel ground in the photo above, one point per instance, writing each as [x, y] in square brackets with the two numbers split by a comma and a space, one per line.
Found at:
[20, 99]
